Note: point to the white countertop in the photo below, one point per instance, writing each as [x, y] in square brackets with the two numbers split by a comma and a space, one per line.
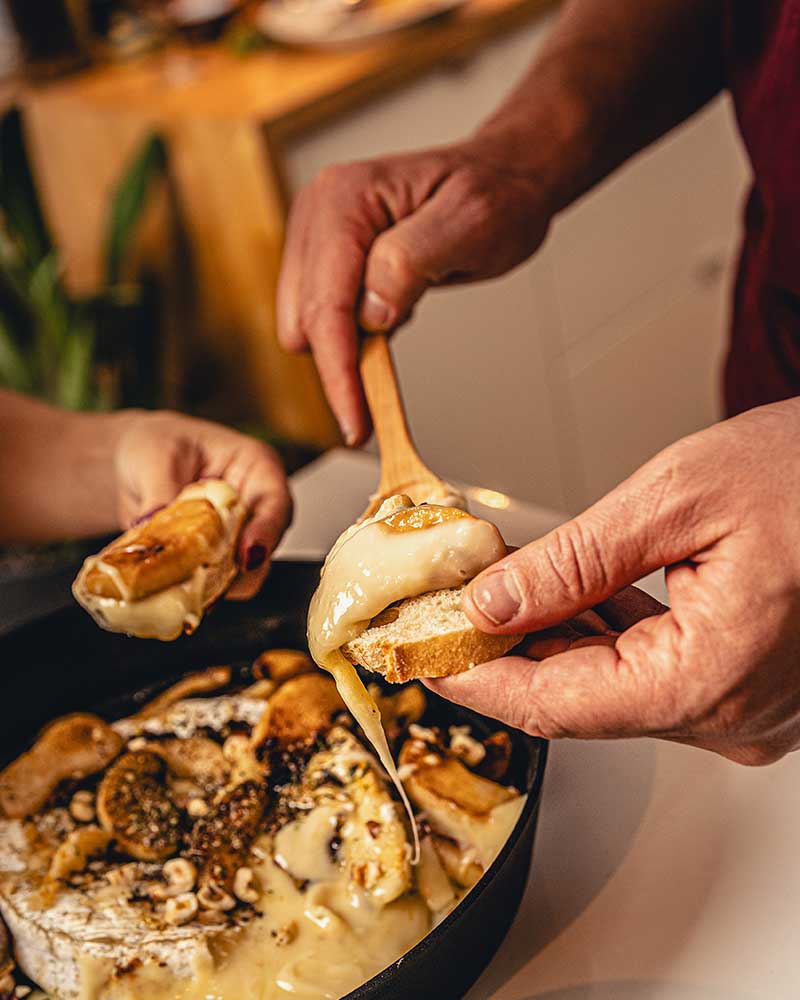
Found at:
[660, 872]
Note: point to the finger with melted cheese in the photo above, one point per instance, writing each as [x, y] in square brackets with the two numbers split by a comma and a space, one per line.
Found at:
[156, 580]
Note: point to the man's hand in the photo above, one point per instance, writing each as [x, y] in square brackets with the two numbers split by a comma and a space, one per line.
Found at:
[721, 668]
[366, 240]
[157, 454]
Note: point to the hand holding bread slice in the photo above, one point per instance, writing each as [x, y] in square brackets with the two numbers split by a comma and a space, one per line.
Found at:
[425, 636]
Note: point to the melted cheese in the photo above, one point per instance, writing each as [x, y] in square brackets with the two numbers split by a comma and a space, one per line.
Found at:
[403, 551]
[176, 609]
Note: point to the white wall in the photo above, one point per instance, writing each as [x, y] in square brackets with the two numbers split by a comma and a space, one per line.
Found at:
[555, 382]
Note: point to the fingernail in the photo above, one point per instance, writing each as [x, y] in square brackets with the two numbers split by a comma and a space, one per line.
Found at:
[497, 597]
[349, 435]
[148, 515]
[256, 555]
[376, 314]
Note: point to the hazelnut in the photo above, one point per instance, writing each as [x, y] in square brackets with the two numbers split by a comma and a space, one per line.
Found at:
[466, 747]
[197, 807]
[181, 876]
[213, 897]
[286, 934]
[245, 886]
[181, 909]
[81, 807]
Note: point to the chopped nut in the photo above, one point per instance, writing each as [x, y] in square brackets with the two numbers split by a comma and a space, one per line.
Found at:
[212, 897]
[137, 743]
[197, 807]
[465, 746]
[286, 934]
[81, 807]
[181, 909]
[180, 876]
[22, 991]
[423, 733]
[245, 887]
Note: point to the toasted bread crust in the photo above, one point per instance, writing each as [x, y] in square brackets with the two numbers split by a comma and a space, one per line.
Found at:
[389, 646]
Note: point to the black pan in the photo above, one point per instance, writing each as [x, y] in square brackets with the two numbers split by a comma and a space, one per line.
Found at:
[64, 663]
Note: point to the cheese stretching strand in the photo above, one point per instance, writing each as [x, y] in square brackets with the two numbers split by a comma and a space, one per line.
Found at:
[403, 551]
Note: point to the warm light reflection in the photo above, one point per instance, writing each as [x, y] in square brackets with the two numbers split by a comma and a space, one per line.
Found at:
[490, 498]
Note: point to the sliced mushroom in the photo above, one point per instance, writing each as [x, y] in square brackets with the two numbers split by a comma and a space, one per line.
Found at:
[75, 747]
[196, 758]
[458, 803]
[374, 845]
[219, 843]
[78, 849]
[300, 710]
[200, 683]
[458, 862]
[432, 879]
[134, 808]
[281, 665]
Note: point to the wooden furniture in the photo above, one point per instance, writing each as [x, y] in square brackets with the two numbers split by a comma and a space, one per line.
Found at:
[225, 119]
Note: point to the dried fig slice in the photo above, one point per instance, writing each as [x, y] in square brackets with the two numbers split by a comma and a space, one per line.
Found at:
[220, 842]
[134, 807]
[74, 746]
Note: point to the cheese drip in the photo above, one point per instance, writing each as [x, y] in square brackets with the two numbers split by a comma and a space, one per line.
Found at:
[402, 551]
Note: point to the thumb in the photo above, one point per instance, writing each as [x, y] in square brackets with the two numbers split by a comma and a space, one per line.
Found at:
[420, 251]
[647, 522]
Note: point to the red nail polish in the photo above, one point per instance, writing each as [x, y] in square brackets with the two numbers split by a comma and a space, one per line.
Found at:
[255, 557]
[148, 515]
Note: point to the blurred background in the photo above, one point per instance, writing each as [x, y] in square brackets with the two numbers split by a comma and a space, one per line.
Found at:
[149, 151]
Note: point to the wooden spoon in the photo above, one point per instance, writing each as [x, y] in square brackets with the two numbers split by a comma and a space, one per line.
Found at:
[402, 470]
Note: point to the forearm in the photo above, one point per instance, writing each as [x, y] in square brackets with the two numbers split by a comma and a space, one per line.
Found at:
[57, 476]
[613, 76]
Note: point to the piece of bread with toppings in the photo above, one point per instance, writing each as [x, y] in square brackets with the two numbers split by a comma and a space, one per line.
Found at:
[425, 636]
[156, 580]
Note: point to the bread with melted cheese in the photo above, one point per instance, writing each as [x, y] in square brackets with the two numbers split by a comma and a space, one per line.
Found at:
[425, 636]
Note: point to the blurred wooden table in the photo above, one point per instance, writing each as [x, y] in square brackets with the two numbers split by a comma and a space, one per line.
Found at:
[225, 118]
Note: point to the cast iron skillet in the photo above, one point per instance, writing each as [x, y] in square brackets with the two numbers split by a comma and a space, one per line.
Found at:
[64, 663]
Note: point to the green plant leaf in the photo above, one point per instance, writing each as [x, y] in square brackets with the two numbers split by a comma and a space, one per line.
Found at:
[15, 372]
[75, 387]
[19, 200]
[128, 202]
[51, 314]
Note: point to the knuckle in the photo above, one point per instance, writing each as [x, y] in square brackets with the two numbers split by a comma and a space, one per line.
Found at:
[575, 560]
[395, 261]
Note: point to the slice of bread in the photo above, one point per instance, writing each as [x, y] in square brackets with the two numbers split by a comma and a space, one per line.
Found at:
[425, 636]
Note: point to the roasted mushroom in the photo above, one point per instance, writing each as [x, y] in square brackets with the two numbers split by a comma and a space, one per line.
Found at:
[281, 665]
[193, 684]
[134, 808]
[300, 710]
[74, 747]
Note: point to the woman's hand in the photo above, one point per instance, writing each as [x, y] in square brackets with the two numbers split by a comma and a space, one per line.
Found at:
[721, 668]
[365, 240]
[157, 454]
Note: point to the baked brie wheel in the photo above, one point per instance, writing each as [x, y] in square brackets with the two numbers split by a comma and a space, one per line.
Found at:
[156, 580]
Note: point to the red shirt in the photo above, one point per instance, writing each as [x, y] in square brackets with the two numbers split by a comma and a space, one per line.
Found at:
[763, 66]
